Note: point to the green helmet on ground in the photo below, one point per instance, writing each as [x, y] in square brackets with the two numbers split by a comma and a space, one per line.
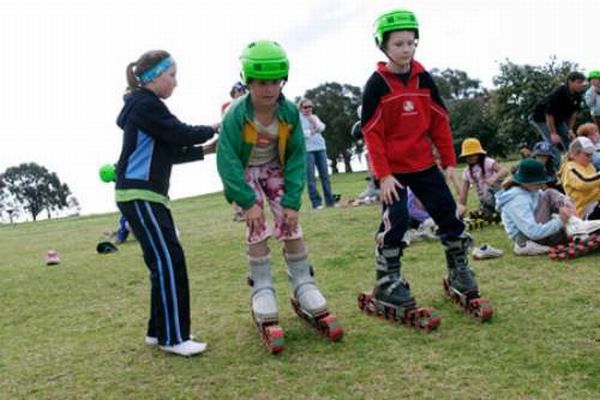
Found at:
[594, 74]
[396, 20]
[108, 173]
[265, 60]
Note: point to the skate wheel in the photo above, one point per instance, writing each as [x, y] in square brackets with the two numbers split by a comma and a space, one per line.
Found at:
[429, 319]
[331, 328]
[481, 309]
[273, 336]
[362, 301]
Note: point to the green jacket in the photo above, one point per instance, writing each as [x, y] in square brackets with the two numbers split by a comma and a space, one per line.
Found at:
[236, 140]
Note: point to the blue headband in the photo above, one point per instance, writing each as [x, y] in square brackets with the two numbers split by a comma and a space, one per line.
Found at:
[154, 72]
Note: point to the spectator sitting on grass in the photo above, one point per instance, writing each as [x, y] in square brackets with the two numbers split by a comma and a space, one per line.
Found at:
[590, 131]
[542, 151]
[527, 210]
[484, 173]
[580, 179]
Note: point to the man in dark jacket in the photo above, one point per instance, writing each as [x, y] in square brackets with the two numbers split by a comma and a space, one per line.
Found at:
[554, 116]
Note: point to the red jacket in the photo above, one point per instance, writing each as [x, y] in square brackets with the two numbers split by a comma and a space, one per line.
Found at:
[402, 120]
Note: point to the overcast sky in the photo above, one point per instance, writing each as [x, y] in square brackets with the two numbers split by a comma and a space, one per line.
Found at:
[63, 63]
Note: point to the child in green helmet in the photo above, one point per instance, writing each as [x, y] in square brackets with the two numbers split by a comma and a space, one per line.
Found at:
[404, 121]
[261, 158]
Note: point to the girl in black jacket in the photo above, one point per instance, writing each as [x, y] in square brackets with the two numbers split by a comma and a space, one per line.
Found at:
[154, 140]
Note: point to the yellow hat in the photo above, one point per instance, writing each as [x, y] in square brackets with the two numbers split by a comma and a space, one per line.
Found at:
[471, 147]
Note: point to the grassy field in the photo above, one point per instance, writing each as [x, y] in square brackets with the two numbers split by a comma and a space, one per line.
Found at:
[76, 330]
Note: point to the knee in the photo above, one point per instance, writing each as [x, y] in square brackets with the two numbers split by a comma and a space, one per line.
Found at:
[294, 246]
[260, 249]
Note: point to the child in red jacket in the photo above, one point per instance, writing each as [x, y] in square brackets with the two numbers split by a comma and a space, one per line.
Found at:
[404, 119]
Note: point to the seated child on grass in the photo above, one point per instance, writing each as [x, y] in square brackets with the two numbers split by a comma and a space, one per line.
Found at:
[580, 178]
[484, 173]
[527, 210]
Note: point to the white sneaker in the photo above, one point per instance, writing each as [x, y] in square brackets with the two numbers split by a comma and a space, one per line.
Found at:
[410, 236]
[186, 349]
[577, 226]
[486, 251]
[153, 340]
[531, 248]
[427, 230]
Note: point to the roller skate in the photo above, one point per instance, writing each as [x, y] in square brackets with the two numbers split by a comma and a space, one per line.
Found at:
[460, 285]
[480, 218]
[473, 224]
[307, 301]
[391, 299]
[264, 306]
[576, 247]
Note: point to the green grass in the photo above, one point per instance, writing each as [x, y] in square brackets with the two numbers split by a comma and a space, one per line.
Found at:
[76, 330]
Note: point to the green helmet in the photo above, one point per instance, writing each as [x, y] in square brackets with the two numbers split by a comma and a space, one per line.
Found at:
[108, 173]
[264, 60]
[594, 74]
[395, 21]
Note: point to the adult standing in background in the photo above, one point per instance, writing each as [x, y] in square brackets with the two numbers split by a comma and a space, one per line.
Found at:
[316, 154]
[554, 116]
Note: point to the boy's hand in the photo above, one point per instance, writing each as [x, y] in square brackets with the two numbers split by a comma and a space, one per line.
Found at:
[389, 189]
[255, 218]
[290, 218]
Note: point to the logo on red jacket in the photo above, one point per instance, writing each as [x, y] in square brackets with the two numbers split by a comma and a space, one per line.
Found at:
[408, 106]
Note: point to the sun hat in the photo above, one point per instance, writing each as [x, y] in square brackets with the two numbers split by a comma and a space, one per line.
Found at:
[471, 147]
[531, 171]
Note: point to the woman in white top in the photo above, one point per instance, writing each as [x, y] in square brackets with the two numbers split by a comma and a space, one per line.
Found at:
[316, 153]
